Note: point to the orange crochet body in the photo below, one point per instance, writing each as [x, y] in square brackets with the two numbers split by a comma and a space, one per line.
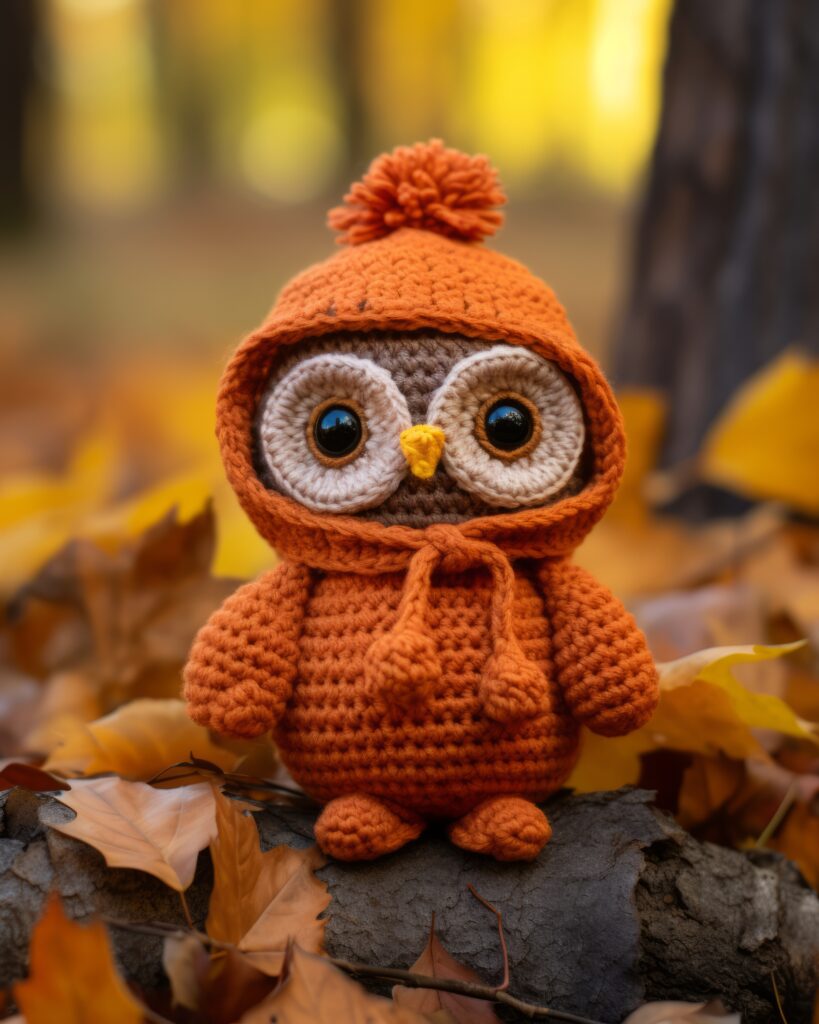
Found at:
[449, 755]
[289, 653]
[438, 672]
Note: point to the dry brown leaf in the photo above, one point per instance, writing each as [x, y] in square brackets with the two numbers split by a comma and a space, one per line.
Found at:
[312, 991]
[708, 784]
[20, 698]
[231, 988]
[260, 901]
[72, 978]
[26, 776]
[682, 1013]
[185, 961]
[137, 742]
[69, 698]
[126, 616]
[799, 840]
[159, 831]
[436, 962]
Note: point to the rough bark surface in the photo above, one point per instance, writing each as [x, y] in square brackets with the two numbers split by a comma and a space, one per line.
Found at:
[727, 241]
[622, 906]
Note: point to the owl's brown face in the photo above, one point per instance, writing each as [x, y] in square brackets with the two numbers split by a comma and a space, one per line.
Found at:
[338, 428]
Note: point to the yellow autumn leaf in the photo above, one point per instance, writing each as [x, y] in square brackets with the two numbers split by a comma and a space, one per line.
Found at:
[703, 709]
[136, 741]
[766, 443]
[159, 831]
[644, 415]
[72, 978]
[39, 512]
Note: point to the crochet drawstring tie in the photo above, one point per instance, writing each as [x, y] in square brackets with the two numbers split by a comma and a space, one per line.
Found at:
[403, 665]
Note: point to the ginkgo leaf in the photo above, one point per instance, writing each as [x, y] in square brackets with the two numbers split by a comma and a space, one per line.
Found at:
[260, 901]
[703, 709]
[312, 991]
[72, 978]
[436, 962]
[136, 741]
[159, 831]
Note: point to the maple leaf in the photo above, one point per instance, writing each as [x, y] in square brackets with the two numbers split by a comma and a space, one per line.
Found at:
[436, 962]
[312, 991]
[136, 741]
[159, 831]
[72, 978]
[260, 901]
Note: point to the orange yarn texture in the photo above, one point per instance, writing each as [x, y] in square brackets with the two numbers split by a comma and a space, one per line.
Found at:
[413, 674]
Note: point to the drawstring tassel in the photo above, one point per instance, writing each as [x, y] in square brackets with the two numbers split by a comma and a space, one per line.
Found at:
[512, 686]
[403, 666]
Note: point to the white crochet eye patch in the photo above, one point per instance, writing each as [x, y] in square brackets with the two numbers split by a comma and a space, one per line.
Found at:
[288, 410]
[544, 466]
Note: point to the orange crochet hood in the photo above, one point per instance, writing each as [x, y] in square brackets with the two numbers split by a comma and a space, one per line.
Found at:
[414, 260]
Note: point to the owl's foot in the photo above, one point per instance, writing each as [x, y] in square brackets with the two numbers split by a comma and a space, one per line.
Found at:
[360, 827]
[505, 827]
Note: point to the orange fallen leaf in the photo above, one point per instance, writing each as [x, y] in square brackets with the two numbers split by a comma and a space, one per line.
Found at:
[72, 978]
[260, 901]
[159, 831]
[137, 741]
[436, 962]
[312, 991]
[26, 776]
[799, 840]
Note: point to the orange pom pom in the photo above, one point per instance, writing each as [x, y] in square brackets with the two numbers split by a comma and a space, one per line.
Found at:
[424, 186]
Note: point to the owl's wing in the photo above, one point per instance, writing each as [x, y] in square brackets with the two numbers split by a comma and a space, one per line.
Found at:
[243, 663]
[606, 672]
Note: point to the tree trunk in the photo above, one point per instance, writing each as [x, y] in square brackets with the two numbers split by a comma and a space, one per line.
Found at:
[727, 242]
[621, 907]
[19, 38]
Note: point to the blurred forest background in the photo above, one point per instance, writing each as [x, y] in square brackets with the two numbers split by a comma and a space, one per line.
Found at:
[166, 166]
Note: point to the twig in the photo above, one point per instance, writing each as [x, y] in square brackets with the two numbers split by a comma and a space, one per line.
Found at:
[461, 988]
[408, 978]
[778, 815]
[778, 1000]
[505, 983]
[186, 910]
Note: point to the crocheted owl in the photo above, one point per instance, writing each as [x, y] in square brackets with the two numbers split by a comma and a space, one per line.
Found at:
[417, 431]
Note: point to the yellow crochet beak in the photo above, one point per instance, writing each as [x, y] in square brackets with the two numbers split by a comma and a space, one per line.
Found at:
[422, 446]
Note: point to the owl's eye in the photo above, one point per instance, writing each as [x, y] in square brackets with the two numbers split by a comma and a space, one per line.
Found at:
[337, 430]
[513, 424]
[507, 425]
[329, 430]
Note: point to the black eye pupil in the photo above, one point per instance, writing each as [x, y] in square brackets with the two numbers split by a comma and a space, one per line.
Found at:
[508, 425]
[337, 431]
